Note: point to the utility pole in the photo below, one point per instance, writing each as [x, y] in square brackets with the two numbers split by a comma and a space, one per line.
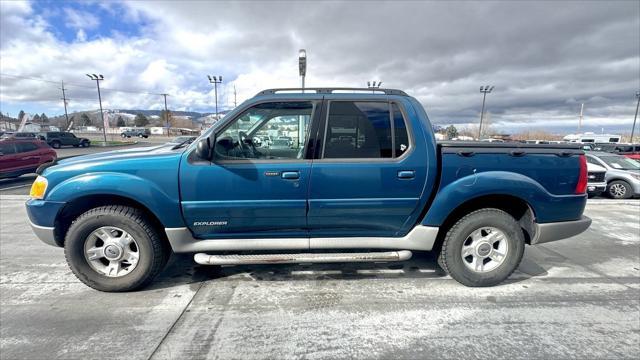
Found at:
[484, 90]
[215, 81]
[64, 101]
[166, 112]
[97, 79]
[635, 117]
[581, 117]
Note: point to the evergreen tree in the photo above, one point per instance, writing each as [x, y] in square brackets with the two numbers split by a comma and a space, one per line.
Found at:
[120, 122]
[35, 119]
[20, 115]
[141, 120]
[451, 132]
[44, 118]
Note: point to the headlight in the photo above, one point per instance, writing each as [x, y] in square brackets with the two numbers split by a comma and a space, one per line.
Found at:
[38, 188]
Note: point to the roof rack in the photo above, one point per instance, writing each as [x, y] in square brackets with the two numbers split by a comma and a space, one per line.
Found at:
[333, 90]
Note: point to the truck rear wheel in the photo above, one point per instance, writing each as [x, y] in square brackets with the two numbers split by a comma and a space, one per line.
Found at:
[483, 248]
[115, 248]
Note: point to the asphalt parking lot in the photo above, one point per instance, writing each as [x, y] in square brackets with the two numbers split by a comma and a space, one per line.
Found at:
[577, 298]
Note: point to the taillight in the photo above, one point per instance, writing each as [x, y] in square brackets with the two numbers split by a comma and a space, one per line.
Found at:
[581, 187]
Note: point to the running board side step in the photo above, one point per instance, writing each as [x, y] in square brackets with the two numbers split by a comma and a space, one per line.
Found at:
[302, 258]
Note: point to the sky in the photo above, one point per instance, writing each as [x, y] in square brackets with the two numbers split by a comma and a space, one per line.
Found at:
[544, 58]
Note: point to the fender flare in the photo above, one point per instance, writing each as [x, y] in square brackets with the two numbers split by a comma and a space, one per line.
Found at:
[145, 192]
[477, 185]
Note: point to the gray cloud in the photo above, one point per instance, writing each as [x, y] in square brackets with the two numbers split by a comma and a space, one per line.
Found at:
[545, 58]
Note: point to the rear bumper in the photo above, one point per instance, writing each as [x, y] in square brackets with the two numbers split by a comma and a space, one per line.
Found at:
[548, 232]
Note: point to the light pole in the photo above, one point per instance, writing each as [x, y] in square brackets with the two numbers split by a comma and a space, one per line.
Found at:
[484, 90]
[97, 79]
[373, 86]
[215, 81]
[302, 65]
[636, 116]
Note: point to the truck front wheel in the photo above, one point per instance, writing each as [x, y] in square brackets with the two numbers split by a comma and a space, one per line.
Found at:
[115, 248]
[483, 248]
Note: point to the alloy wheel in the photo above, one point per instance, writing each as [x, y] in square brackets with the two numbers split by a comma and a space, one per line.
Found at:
[484, 249]
[111, 251]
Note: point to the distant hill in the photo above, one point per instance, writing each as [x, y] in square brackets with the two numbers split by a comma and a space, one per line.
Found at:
[193, 114]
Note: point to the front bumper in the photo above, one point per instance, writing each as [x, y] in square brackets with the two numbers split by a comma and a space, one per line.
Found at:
[559, 230]
[42, 215]
[44, 233]
[596, 188]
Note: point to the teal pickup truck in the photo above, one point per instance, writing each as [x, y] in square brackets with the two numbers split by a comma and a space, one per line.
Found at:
[361, 178]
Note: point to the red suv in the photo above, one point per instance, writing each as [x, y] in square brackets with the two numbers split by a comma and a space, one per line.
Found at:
[19, 157]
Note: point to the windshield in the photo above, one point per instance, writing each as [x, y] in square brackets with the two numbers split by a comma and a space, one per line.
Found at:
[280, 142]
[621, 162]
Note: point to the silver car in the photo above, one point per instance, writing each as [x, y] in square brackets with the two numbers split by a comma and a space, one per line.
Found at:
[623, 174]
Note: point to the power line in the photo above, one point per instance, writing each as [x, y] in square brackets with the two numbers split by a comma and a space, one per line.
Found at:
[77, 85]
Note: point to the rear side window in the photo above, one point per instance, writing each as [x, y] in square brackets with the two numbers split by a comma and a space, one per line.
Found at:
[7, 148]
[26, 147]
[401, 137]
[364, 129]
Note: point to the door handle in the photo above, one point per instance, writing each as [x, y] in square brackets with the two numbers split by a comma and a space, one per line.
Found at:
[290, 175]
[406, 174]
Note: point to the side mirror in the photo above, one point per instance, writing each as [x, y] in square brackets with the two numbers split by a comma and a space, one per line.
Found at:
[203, 149]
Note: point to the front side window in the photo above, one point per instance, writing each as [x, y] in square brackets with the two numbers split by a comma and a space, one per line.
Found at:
[269, 131]
[365, 129]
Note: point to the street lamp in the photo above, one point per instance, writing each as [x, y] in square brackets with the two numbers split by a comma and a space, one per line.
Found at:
[302, 65]
[372, 85]
[215, 81]
[484, 90]
[97, 79]
[636, 116]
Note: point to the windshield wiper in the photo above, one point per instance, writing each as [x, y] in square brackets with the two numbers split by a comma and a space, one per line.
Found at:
[186, 142]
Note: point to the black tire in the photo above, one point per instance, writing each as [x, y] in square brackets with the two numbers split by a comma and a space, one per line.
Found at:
[154, 252]
[451, 258]
[84, 144]
[619, 189]
[55, 144]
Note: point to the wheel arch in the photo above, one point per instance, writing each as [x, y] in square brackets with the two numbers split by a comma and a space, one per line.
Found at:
[82, 204]
[517, 207]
